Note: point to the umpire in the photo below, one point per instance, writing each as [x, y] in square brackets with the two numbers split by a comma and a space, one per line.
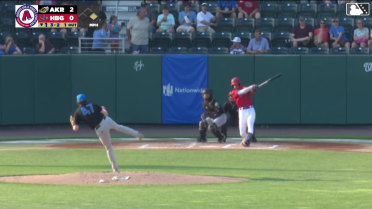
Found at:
[213, 118]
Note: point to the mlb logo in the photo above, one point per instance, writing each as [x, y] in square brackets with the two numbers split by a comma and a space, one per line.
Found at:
[26, 16]
[357, 9]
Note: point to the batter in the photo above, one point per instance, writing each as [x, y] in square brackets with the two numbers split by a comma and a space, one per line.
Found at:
[97, 118]
[247, 114]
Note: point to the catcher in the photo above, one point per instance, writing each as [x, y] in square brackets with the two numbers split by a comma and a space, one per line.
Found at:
[213, 118]
[97, 118]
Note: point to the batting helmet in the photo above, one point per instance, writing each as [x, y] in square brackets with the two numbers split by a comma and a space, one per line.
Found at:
[236, 81]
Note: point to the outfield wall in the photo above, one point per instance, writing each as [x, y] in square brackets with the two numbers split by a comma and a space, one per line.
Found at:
[314, 89]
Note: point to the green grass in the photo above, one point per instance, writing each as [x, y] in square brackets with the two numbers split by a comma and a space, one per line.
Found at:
[277, 179]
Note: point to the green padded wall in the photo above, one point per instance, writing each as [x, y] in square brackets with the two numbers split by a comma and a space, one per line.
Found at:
[52, 88]
[139, 87]
[323, 89]
[359, 92]
[18, 90]
[95, 75]
[222, 68]
[279, 101]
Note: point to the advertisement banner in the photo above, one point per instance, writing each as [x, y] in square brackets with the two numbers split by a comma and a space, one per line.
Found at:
[183, 79]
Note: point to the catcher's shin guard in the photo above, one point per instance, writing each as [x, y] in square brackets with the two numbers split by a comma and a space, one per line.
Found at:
[217, 132]
[202, 131]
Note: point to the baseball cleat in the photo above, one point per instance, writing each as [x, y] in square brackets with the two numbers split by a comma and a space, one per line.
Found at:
[245, 143]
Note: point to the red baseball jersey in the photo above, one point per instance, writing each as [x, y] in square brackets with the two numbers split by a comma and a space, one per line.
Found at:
[242, 100]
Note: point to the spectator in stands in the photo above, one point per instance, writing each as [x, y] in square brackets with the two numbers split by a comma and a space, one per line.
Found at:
[337, 35]
[361, 35]
[99, 36]
[321, 35]
[302, 34]
[2, 49]
[138, 32]
[187, 20]
[45, 2]
[205, 20]
[166, 21]
[258, 44]
[151, 14]
[44, 46]
[236, 47]
[226, 9]
[248, 8]
[114, 29]
[10, 47]
[370, 41]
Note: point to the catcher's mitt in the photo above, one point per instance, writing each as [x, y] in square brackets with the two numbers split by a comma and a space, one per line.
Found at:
[72, 120]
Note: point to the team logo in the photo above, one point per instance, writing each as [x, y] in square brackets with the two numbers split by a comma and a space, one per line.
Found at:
[357, 9]
[44, 9]
[26, 16]
[138, 65]
[368, 66]
[168, 90]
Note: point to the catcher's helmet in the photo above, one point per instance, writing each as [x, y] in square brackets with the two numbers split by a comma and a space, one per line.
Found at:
[207, 91]
[235, 81]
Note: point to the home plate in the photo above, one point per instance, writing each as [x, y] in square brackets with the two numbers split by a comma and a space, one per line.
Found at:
[209, 146]
[274, 146]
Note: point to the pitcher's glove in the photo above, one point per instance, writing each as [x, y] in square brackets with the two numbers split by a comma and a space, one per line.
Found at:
[72, 120]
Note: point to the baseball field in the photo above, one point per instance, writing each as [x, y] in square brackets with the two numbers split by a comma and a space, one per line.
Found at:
[173, 172]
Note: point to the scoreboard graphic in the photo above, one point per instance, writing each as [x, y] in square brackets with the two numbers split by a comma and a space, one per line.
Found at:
[52, 16]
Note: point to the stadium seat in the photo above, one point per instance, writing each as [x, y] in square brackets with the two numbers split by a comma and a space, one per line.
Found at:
[288, 9]
[69, 50]
[245, 37]
[327, 10]
[3, 35]
[198, 50]
[7, 22]
[279, 50]
[307, 10]
[267, 35]
[268, 9]
[300, 50]
[281, 39]
[178, 50]
[319, 50]
[218, 50]
[195, 7]
[221, 39]
[29, 50]
[359, 50]
[182, 39]
[73, 38]
[162, 39]
[225, 25]
[367, 21]
[212, 7]
[202, 39]
[154, 7]
[245, 25]
[341, 10]
[57, 39]
[23, 38]
[9, 7]
[347, 23]
[339, 51]
[157, 50]
[265, 24]
[284, 24]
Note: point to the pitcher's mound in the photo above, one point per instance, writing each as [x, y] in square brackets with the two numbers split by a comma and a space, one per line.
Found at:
[123, 178]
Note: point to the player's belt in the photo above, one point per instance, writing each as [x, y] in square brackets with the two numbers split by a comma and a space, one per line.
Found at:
[244, 108]
[99, 125]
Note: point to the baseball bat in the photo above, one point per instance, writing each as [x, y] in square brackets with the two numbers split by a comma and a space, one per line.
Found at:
[269, 80]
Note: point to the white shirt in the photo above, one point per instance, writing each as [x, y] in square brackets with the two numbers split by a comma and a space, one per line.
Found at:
[206, 17]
